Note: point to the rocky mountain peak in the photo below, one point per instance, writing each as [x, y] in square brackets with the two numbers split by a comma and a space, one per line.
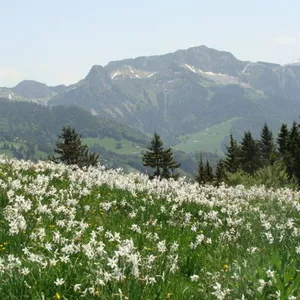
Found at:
[98, 77]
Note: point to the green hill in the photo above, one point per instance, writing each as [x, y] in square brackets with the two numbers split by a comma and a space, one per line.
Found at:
[29, 130]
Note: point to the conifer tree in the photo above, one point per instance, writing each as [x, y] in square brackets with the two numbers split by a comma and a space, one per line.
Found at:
[208, 171]
[233, 156]
[283, 140]
[250, 154]
[267, 146]
[292, 158]
[200, 177]
[294, 138]
[161, 160]
[153, 157]
[71, 151]
[169, 165]
[220, 174]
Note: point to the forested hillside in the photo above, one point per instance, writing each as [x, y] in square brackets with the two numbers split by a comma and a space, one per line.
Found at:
[29, 131]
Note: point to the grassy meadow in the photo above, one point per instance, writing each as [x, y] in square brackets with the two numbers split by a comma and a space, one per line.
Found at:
[120, 147]
[67, 233]
[208, 140]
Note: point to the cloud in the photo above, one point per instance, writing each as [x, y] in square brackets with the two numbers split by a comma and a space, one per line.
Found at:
[285, 40]
[10, 76]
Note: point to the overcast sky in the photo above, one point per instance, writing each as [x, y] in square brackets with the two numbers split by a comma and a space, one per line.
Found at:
[58, 41]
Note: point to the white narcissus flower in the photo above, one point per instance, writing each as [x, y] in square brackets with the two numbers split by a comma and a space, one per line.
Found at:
[59, 281]
[77, 287]
[194, 277]
[161, 246]
[24, 271]
[270, 273]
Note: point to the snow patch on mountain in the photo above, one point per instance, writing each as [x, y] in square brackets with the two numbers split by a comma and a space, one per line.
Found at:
[191, 68]
[294, 63]
[129, 72]
[115, 74]
[250, 64]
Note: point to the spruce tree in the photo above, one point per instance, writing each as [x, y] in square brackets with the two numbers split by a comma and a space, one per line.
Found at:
[220, 174]
[208, 171]
[267, 146]
[169, 165]
[233, 153]
[283, 140]
[71, 151]
[200, 177]
[161, 160]
[153, 157]
[250, 154]
[293, 140]
[292, 158]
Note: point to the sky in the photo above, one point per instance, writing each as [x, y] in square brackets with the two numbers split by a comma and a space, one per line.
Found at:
[58, 41]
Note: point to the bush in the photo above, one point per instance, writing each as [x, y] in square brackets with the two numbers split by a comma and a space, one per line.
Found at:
[273, 176]
[240, 177]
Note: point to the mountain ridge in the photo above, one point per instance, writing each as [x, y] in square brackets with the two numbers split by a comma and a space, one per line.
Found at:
[186, 91]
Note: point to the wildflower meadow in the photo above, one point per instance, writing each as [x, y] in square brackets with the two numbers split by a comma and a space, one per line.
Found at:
[68, 233]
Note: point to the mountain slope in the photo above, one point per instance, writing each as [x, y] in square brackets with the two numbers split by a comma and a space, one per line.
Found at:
[29, 130]
[30, 90]
[185, 92]
[35, 128]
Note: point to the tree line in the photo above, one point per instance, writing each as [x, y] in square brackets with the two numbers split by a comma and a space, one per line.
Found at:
[250, 157]
[268, 159]
[253, 156]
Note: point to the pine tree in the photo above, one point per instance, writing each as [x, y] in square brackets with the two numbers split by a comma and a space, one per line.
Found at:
[292, 158]
[169, 163]
[233, 153]
[267, 146]
[208, 171]
[283, 140]
[161, 160]
[250, 154]
[220, 174]
[200, 177]
[71, 151]
[293, 140]
[153, 157]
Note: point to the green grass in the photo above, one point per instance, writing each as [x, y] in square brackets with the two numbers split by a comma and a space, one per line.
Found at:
[7, 152]
[206, 140]
[124, 237]
[15, 144]
[127, 147]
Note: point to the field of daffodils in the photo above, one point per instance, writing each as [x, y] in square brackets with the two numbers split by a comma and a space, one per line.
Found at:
[67, 233]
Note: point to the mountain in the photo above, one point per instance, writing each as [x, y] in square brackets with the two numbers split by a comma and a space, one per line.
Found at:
[294, 63]
[187, 96]
[189, 91]
[30, 90]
